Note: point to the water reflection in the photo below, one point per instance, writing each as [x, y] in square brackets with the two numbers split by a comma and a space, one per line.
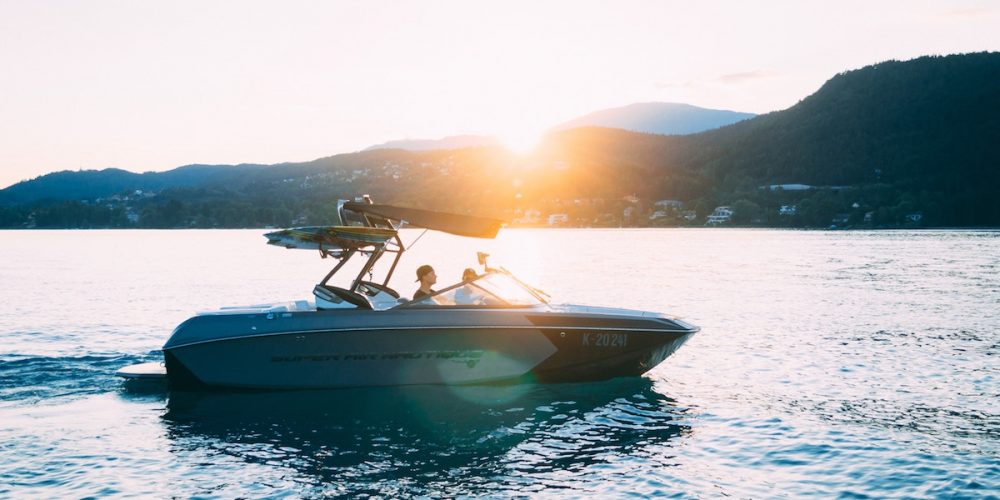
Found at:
[417, 439]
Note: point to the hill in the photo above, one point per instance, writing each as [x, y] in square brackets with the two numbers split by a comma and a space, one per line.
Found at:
[90, 184]
[926, 127]
[899, 143]
[666, 118]
[896, 144]
[453, 142]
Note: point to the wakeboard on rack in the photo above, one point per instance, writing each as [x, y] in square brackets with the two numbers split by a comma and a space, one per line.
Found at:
[330, 237]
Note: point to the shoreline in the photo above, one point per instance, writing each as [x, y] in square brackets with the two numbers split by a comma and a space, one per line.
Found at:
[539, 228]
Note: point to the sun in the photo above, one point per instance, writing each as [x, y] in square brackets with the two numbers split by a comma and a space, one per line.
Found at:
[521, 140]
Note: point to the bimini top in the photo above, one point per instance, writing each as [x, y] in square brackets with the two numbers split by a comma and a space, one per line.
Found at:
[460, 225]
[369, 225]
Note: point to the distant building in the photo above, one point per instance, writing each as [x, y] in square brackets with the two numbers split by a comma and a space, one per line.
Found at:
[627, 215]
[841, 218]
[720, 215]
[674, 204]
[915, 217]
[558, 219]
[787, 210]
[869, 216]
[606, 219]
[689, 215]
[788, 187]
[530, 216]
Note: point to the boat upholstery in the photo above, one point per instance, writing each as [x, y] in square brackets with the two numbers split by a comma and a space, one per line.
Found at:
[332, 297]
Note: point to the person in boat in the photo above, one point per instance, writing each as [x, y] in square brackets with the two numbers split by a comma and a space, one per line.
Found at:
[427, 278]
[469, 274]
[467, 294]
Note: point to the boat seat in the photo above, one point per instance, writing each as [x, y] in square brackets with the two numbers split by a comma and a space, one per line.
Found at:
[332, 297]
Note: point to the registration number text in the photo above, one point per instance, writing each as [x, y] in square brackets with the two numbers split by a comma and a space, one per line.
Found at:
[605, 339]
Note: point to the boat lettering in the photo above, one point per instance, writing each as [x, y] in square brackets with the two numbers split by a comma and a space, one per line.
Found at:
[298, 359]
[360, 357]
[604, 339]
[470, 357]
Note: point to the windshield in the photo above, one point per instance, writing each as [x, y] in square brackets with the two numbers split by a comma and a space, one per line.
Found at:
[493, 289]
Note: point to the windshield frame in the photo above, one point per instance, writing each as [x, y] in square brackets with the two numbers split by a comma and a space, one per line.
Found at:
[534, 293]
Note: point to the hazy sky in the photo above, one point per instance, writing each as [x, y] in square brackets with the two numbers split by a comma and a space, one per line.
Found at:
[152, 86]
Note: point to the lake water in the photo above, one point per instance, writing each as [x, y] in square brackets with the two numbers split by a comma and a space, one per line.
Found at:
[830, 364]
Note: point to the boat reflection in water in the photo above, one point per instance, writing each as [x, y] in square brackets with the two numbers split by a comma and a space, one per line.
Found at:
[424, 439]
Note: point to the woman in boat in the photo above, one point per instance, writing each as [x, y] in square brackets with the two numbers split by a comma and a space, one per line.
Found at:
[467, 294]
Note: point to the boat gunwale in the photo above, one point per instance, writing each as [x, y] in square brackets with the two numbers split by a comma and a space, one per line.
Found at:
[694, 330]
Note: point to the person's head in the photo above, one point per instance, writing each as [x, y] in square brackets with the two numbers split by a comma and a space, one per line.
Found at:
[469, 274]
[426, 276]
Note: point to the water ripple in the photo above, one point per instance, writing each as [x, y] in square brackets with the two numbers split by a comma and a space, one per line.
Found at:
[831, 364]
[29, 379]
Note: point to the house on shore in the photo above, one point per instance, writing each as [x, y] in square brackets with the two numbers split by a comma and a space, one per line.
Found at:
[720, 215]
[558, 219]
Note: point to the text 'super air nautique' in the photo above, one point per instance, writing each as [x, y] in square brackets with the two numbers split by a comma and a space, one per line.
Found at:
[490, 329]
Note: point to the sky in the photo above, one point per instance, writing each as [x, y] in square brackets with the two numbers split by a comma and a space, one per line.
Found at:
[155, 85]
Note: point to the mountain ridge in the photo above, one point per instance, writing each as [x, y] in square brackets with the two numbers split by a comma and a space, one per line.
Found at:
[49, 186]
[881, 145]
[664, 118]
[450, 142]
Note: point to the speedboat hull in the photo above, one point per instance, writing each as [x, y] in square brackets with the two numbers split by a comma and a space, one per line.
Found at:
[327, 349]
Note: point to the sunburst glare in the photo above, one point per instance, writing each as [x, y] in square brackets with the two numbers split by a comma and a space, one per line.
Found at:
[520, 140]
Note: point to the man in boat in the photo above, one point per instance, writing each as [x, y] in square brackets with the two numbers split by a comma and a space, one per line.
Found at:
[426, 277]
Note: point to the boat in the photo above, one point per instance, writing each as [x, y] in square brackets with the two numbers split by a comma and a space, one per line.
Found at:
[490, 329]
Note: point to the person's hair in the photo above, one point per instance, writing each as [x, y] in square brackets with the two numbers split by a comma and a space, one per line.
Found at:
[423, 271]
[468, 274]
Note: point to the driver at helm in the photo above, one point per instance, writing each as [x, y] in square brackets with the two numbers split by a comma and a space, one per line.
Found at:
[427, 278]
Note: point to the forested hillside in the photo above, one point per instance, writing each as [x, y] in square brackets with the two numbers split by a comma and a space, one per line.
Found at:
[927, 129]
[896, 144]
